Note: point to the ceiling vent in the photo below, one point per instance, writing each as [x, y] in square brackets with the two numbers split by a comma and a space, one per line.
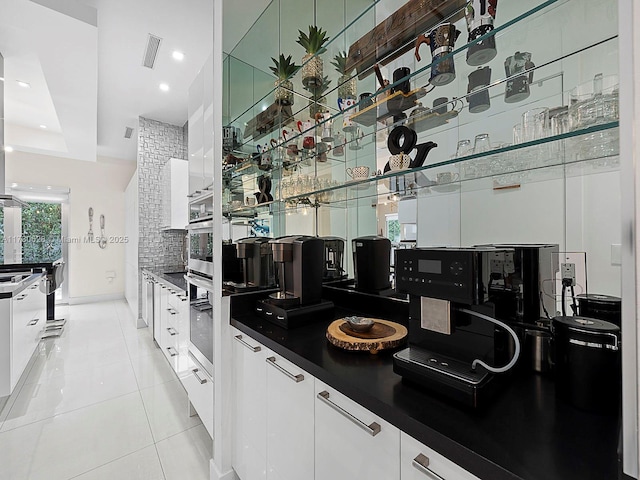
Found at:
[151, 52]
[128, 132]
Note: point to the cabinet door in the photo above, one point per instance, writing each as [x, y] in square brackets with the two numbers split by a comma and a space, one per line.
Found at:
[250, 442]
[195, 138]
[290, 403]
[419, 462]
[351, 442]
[157, 327]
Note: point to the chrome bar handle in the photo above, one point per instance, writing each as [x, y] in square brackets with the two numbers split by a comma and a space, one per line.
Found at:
[171, 311]
[250, 347]
[21, 298]
[372, 429]
[421, 463]
[296, 378]
[195, 374]
[34, 322]
[588, 332]
[172, 333]
[172, 354]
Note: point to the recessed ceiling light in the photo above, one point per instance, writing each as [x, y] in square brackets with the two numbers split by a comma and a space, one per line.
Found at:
[23, 84]
[179, 56]
[164, 87]
[48, 187]
[7, 148]
[264, 107]
[14, 185]
[44, 127]
[1, 79]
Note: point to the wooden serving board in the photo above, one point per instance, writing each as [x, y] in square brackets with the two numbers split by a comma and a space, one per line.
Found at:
[343, 337]
[387, 106]
[394, 36]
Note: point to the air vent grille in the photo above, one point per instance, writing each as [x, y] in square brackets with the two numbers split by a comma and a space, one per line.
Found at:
[128, 131]
[151, 52]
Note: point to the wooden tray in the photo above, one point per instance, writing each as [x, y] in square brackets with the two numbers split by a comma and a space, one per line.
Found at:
[388, 106]
[430, 120]
[343, 337]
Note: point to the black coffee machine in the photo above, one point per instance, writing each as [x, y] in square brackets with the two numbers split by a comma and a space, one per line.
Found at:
[456, 340]
[300, 262]
[522, 282]
[372, 263]
[333, 259]
[257, 264]
[231, 264]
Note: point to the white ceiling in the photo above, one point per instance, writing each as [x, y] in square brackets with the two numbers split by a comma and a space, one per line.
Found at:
[88, 84]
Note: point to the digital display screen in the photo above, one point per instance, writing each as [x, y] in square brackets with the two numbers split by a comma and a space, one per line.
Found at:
[430, 266]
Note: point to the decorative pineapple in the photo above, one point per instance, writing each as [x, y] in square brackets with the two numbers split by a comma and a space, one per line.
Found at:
[284, 69]
[347, 87]
[313, 44]
[318, 103]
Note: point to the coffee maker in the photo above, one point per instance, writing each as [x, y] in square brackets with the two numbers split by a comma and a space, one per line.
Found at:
[231, 264]
[300, 263]
[333, 259]
[372, 263]
[257, 264]
[455, 337]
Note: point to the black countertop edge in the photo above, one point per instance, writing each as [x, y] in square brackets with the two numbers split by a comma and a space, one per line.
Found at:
[462, 456]
[160, 274]
[21, 266]
[19, 287]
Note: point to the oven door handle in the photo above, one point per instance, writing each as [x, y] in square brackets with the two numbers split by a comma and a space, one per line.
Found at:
[199, 283]
[206, 227]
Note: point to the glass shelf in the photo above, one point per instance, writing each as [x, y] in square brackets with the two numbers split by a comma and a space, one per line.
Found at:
[418, 76]
[572, 147]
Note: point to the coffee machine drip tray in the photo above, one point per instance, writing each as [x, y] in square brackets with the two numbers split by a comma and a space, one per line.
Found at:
[294, 316]
[444, 375]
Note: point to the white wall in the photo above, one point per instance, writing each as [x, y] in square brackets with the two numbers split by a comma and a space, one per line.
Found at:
[131, 248]
[100, 185]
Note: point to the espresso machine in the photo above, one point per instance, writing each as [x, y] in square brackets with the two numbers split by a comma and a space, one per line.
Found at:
[231, 264]
[300, 262]
[257, 265]
[372, 264]
[457, 342]
[333, 259]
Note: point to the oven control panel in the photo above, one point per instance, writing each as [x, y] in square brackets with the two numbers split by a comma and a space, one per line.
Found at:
[455, 274]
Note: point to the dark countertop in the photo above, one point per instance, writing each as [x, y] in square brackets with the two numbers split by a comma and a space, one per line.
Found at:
[171, 274]
[13, 289]
[23, 266]
[524, 434]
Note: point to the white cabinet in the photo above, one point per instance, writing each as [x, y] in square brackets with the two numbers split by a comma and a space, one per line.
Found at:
[157, 296]
[175, 185]
[250, 408]
[350, 441]
[22, 319]
[199, 386]
[419, 462]
[195, 135]
[174, 328]
[290, 420]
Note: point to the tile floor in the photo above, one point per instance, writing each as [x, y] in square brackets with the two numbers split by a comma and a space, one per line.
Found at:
[101, 402]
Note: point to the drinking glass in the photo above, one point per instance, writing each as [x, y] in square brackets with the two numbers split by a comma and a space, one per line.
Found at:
[464, 148]
[535, 124]
[481, 143]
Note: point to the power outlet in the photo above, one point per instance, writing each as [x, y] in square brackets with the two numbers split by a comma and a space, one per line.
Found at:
[568, 271]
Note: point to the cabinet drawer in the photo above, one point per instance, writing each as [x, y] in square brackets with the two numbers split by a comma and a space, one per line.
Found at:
[199, 387]
[419, 462]
[350, 441]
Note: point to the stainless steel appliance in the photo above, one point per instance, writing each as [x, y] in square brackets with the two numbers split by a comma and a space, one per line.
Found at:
[333, 259]
[300, 262]
[372, 263]
[604, 307]
[455, 338]
[201, 206]
[231, 264]
[201, 320]
[201, 247]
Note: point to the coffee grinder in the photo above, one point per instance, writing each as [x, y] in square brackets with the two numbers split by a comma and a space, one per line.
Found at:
[257, 262]
[333, 259]
[300, 263]
[372, 264]
[455, 339]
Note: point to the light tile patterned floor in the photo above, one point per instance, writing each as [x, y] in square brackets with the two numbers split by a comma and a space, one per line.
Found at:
[101, 402]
